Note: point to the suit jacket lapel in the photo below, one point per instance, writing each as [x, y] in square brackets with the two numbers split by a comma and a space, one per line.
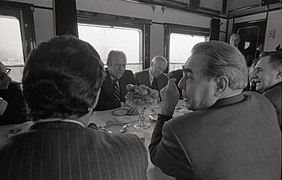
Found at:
[108, 86]
[147, 79]
[122, 82]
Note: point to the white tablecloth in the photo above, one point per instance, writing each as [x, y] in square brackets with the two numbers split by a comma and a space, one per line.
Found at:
[114, 123]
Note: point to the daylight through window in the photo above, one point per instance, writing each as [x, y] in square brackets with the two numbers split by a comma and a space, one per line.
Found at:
[106, 38]
[180, 48]
[11, 49]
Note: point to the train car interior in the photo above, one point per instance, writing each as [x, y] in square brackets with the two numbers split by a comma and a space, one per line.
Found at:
[166, 27]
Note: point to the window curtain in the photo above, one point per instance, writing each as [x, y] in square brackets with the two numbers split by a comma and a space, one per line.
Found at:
[66, 17]
[214, 29]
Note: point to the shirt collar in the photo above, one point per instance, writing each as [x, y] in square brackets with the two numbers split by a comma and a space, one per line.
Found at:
[151, 76]
[112, 78]
[57, 121]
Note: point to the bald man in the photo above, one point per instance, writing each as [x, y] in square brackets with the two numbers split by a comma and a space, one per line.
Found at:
[154, 76]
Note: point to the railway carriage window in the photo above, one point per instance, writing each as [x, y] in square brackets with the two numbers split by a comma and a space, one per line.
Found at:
[180, 48]
[106, 32]
[17, 35]
[106, 38]
[11, 49]
[179, 40]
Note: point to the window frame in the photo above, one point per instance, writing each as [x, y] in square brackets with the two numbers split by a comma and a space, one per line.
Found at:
[181, 29]
[24, 13]
[143, 25]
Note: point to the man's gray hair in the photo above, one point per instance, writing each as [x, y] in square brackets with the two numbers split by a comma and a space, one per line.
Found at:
[159, 58]
[236, 35]
[223, 59]
[114, 53]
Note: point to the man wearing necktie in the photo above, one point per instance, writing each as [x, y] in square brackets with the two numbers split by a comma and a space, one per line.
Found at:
[114, 86]
[116, 89]
[154, 76]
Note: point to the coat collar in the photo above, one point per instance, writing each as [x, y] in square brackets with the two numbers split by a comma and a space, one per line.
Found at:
[229, 101]
[274, 86]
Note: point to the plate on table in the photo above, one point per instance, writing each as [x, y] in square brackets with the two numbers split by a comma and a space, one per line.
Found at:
[120, 112]
[114, 128]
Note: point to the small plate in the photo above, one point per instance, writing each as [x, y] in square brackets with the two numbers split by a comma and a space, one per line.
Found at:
[121, 112]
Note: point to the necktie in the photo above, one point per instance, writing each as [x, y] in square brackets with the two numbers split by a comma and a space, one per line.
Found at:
[155, 84]
[116, 90]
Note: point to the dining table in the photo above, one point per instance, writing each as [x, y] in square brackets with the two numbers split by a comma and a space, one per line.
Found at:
[115, 121]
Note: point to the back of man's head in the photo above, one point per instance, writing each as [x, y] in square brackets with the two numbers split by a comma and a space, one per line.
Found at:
[61, 78]
[223, 59]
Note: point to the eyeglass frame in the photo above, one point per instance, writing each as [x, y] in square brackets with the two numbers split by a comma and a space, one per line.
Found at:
[7, 72]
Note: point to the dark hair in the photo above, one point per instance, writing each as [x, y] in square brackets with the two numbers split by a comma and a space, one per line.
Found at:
[254, 62]
[61, 78]
[275, 58]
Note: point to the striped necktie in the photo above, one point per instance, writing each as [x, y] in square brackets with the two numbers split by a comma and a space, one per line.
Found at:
[116, 90]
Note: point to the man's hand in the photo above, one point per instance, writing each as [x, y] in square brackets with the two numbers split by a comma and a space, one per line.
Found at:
[133, 111]
[123, 104]
[170, 97]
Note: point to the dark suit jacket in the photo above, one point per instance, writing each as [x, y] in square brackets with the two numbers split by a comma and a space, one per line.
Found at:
[63, 150]
[15, 112]
[142, 77]
[237, 138]
[275, 97]
[107, 98]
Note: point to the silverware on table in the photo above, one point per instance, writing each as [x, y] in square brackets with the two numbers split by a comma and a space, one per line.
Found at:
[124, 128]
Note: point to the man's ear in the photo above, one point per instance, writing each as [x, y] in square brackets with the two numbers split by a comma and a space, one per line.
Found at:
[221, 86]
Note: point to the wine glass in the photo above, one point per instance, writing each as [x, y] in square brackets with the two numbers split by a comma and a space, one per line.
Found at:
[141, 97]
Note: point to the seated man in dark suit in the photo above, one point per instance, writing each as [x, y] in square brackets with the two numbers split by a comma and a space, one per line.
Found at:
[269, 79]
[62, 79]
[12, 105]
[154, 76]
[114, 86]
[230, 134]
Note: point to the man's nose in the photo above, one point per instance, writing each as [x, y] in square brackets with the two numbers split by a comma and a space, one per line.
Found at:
[121, 67]
[8, 78]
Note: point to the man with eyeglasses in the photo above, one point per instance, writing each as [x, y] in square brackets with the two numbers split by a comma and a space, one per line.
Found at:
[154, 77]
[12, 105]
